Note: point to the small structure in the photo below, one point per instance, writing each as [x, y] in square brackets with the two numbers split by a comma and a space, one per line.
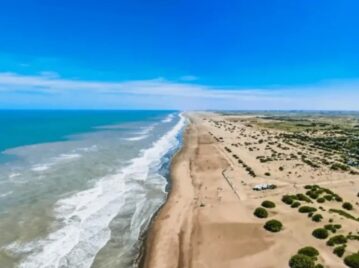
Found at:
[264, 186]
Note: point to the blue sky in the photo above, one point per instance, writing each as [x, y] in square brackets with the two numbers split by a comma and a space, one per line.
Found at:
[263, 54]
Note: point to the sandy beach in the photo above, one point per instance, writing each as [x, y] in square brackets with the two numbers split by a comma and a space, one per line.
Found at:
[208, 218]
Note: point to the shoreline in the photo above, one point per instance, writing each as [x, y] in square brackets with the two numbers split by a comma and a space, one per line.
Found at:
[147, 248]
[139, 261]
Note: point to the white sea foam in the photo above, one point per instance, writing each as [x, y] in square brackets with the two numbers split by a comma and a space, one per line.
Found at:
[142, 134]
[137, 138]
[6, 194]
[168, 119]
[53, 161]
[92, 148]
[13, 175]
[41, 167]
[86, 215]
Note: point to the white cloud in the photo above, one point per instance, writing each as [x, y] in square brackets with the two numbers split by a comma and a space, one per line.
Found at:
[188, 78]
[164, 94]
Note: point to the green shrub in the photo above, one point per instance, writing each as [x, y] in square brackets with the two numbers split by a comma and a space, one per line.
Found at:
[317, 217]
[273, 226]
[268, 204]
[347, 206]
[343, 213]
[312, 194]
[308, 187]
[336, 240]
[261, 213]
[295, 204]
[309, 251]
[352, 260]
[321, 200]
[301, 261]
[302, 197]
[330, 227]
[328, 197]
[267, 174]
[287, 199]
[339, 251]
[319, 266]
[307, 209]
[320, 233]
[337, 226]
[338, 198]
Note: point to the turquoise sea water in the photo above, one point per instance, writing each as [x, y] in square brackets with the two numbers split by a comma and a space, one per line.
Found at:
[23, 127]
[77, 188]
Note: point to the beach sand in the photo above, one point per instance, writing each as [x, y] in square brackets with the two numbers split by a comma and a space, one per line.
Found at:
[208, 221]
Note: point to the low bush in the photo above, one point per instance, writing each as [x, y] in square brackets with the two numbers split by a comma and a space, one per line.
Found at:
[352, 260]
[330, 227]
[307, 209]
[261, 213]
[353, 237]
[320, 233]
[337, 226]
[339, 251]
[302, 197]
[267, 174]
[273, 226]
[343, 213]
[347, 206]
[301, 261]
[318, 266]
[287, 199]
[321, 200]
[338, 198]
[268, 204]
[295, 204]
[317, 217]
[328, 197]
[309, 251]
[337, 240]
[312, 194]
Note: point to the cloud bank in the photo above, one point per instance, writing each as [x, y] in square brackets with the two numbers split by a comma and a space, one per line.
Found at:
[49, 90]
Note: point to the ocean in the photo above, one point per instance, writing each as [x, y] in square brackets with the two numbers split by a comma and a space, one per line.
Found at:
[78, 188]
